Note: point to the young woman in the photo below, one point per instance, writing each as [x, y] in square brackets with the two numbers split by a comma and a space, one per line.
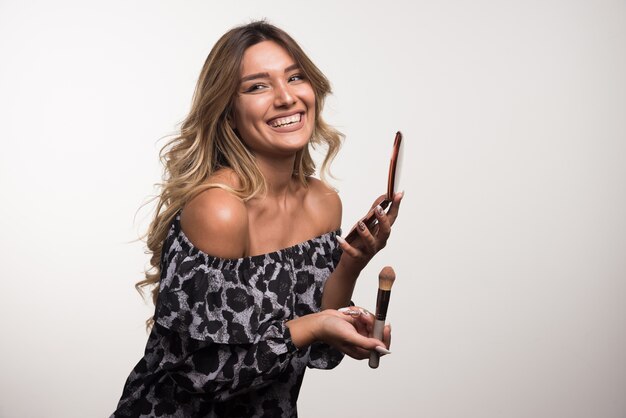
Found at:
[248, 265]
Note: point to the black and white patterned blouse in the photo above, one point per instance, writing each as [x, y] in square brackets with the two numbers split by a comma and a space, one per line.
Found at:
[220, 346]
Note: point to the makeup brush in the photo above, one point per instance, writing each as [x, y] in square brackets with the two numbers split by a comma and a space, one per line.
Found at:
[385, 281]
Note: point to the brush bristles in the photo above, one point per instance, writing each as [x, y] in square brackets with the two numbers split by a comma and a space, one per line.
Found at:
[386, 278]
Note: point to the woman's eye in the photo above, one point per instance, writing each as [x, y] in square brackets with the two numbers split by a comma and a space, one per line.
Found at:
[254, 87]
[296, 77]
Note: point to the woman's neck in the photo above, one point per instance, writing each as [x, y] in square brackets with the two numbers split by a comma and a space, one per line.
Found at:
[278, 174]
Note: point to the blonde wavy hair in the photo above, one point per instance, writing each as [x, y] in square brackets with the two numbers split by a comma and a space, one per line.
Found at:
[207, 142]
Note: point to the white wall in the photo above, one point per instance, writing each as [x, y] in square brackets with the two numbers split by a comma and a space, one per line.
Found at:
[510, 250]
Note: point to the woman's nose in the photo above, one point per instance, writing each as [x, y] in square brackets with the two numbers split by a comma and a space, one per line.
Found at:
[283, 96]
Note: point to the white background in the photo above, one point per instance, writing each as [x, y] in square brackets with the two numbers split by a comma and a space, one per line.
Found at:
[511, 246]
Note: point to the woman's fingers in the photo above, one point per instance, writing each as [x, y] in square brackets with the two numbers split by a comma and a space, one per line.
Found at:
[384, 226]
[366, 237]
[359, 344]
[382, 230]
[366, 343]
[379, 200]
[347, 248]
[363, 320]
[374, 237]
[360, 353]
[352, 314]
[365, 323]
[361, 326]
[387, 335]
[355, 311]
[360, 318]
[395, 207]
[356, 352]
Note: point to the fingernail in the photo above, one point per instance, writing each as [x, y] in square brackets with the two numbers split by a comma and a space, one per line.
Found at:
[389, 325]
[401, 194]
[365, 312]
[361, 226]
[341, 240]
[380, 210]
[381, 350]
[350, 311]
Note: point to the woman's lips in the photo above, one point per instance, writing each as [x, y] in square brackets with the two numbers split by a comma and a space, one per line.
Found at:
[285, 119]
[288, 123]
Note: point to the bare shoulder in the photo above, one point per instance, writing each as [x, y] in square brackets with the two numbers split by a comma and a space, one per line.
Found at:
[216, 221]
[325, 201]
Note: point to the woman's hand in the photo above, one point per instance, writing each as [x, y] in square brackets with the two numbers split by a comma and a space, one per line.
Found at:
[368, 242]
[349, 330]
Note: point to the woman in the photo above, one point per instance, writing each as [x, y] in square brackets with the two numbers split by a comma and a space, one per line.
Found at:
[246, 299]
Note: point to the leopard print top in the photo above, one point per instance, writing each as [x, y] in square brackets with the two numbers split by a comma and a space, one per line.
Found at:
[220, 346]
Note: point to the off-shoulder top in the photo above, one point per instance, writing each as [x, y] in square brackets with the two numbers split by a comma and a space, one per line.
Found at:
[220, 346]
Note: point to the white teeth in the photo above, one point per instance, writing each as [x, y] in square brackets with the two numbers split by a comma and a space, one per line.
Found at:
[277, 123]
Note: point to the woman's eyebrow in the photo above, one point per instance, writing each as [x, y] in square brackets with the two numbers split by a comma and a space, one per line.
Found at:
[266, 75]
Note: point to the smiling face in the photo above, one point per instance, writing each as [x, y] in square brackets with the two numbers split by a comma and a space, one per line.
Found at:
[274, 110]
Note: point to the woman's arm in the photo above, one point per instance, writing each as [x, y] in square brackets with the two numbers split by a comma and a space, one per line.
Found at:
[347, 331]
[340, 285]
